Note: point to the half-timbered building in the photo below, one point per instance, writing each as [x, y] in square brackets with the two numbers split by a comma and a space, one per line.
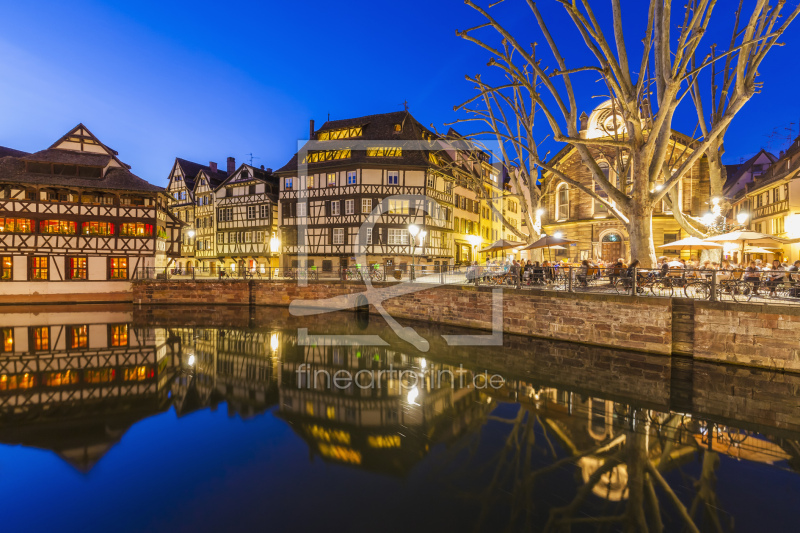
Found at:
[191, 186]
[580, 217]
[247, 220]
[348, 169]
[74, 220]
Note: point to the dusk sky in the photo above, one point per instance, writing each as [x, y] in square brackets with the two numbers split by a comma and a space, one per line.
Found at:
[203, 81]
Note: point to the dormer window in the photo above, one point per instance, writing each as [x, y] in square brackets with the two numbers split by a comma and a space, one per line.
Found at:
[398, 128]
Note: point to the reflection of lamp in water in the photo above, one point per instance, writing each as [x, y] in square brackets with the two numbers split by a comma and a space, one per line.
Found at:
[423, 363]
[273, 341]
[412, 395]
[191, 360]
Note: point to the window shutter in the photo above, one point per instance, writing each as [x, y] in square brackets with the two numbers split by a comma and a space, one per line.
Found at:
[330, 234]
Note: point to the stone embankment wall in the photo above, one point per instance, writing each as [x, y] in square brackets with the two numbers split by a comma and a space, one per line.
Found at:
[605, 320]
[751, 335]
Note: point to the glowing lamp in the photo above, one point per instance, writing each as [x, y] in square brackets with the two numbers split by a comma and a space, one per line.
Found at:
[742, 217]
[558, 235]
[708, 219]
[412, 395]
[474, 240]
[274, 245]
[413, 230]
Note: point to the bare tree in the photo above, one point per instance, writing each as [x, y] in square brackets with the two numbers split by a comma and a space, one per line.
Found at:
[645, 100]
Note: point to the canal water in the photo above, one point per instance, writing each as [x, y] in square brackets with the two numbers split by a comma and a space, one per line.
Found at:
[123, 419]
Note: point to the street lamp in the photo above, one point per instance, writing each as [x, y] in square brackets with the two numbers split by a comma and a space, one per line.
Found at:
[558, 235]
[742, 217]
[191, 233]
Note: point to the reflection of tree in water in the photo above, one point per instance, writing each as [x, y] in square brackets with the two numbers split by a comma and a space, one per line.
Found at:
[618, 459]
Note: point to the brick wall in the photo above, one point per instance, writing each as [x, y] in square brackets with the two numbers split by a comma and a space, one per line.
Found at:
[754, 335]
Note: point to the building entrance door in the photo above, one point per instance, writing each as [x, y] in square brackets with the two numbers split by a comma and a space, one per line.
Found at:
[611, 247]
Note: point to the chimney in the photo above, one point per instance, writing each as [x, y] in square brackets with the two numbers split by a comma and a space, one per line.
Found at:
[262, 167]
[781, 155]
[269, 170]
[231, 165]
[213, 166]
[311, 129]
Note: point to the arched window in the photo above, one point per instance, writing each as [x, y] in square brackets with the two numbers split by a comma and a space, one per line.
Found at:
[562, 202]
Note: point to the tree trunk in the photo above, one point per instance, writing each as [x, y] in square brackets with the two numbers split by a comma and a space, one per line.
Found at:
[640, 234]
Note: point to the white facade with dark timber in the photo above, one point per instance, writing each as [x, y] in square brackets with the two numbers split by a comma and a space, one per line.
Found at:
[75, 222]
[191, 188]
[247, 220]
[349, 169]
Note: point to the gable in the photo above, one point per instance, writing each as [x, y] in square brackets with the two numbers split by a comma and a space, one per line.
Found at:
[80, 139]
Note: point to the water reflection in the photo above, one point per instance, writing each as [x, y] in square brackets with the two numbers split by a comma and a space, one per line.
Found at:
[616, 443]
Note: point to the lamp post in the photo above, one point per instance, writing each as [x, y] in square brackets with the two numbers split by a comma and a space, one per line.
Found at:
[474, 241]
[414, 231]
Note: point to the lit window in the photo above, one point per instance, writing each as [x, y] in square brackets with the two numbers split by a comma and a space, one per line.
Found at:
[366, 205]
[398, 207]
[331, 412]
[78, 337]
[7, 336]
[118, 333]
[327, 155]
[41, 338]
[310, 182]
[16, 225]
[138, 373]
[57, 379]
[384, 151]
[39, 268]
[393, 177]
[310, 408]
[97, 228]
[118, 268]
[76, 268]
[331, 179]
[6, 268]
[341, 133]
[61, 227]
[104, 375]
[136, 229]
[398, 127]
[338, 235]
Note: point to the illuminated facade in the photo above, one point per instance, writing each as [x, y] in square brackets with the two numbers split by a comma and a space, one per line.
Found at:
[191, 187]
[247, 234]
[74, 221]
[600, 235]
[327, 193]
[770, 203]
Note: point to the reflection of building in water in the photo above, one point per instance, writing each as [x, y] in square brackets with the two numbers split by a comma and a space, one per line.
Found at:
[234, 365]
[75, 382]
[586, 423]
[386, 417]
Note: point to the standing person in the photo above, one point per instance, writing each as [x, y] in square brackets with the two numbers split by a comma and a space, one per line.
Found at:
[583, 271]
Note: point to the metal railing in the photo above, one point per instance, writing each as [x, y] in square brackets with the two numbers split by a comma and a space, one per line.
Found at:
[697, 284]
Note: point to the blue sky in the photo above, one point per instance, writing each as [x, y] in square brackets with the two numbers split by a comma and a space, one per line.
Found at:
[203, 81]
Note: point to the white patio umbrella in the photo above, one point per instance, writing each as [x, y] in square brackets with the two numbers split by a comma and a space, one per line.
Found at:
[691, 243]
[745, 237]
[502, 244]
